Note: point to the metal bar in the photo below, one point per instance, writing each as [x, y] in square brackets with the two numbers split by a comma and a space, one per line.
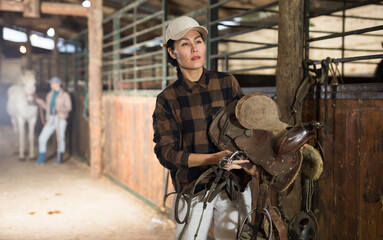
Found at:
[343, 38]
[364, 34]
[243, 32]
[135, 48]
[130, 15]
[244, 51]
[347, 49]
[357, 4]
[357, 17]
[107, 54]
[252, 69]
[197, 13]
[212, 15]
[248, 58]
[245, 9]
[136, 34]
[139, 33]
[136, 80]
[351, 91]
[150, 54]
[336, 35]
[307, 31]
[246, 42]
[116, 48]
[125, 9]
[257, 9]
[351, 59]
[165, 69]
[140, 68]
[134, 23]
[218, 4]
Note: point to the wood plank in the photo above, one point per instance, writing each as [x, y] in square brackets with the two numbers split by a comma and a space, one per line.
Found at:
[371, 166]
[325, 202]
[346, 169]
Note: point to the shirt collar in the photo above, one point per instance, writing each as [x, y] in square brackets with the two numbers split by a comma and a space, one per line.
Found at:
[202, 82]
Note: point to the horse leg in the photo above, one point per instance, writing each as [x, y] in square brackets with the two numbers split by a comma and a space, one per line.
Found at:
[31, 137]
[21, 128]
[15, 130]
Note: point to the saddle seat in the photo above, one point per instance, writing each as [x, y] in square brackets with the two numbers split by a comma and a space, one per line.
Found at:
[252, 124]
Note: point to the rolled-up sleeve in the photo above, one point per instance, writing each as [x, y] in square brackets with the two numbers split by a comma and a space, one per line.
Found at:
[167, 137]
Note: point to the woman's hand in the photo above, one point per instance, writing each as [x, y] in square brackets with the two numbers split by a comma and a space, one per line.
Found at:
[213, 159]
[235, 164]
[40, 101]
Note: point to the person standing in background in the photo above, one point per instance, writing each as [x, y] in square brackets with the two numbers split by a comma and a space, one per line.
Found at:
[57, 106]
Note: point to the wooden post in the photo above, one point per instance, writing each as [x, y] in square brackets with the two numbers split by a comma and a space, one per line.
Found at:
[29, 55]
[31, 8]
[1, 54]
[288, 76]
[290, 53]
[95, 86]
[55, 55]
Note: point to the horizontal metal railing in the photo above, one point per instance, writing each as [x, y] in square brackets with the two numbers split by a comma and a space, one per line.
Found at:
[132, 54]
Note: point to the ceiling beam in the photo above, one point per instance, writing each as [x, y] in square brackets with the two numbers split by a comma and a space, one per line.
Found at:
[11, 6]
[54, 8]
[64, 9]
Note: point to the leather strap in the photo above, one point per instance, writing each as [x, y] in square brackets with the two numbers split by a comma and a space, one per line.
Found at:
[229, 180]
[277, 221]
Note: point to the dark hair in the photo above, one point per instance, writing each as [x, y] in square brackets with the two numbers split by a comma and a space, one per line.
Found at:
[170, 44]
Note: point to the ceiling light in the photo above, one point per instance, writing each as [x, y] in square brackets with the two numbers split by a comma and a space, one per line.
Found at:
[86, 3]
[51, 32]
[23, 49]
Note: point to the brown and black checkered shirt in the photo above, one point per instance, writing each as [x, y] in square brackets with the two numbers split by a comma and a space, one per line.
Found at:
[181, 119]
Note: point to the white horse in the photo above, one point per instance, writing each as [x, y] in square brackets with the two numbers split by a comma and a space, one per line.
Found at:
[21, 109]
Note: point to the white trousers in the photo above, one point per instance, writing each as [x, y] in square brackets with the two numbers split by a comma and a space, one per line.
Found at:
[53, 124]
[222, 211]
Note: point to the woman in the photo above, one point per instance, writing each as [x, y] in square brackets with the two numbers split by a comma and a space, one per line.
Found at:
[57, 106]
[183, 114]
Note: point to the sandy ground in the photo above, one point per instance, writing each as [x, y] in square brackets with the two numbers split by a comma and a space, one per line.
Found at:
[64, 202]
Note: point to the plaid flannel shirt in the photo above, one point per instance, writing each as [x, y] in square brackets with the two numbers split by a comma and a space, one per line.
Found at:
[184, 111]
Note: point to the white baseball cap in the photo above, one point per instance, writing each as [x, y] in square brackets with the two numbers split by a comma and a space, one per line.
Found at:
[178, 27]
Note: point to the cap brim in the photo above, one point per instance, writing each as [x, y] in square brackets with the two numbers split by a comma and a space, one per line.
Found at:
[178, 36]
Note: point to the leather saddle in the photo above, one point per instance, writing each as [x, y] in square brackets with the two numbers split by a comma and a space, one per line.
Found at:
[252, 124]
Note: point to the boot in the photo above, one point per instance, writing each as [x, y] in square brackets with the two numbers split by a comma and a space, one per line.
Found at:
[41, 158]
[59, 158]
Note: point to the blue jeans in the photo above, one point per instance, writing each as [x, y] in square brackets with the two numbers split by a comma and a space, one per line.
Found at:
[53, 124]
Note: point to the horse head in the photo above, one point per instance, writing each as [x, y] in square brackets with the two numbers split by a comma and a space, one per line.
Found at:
[28, 84]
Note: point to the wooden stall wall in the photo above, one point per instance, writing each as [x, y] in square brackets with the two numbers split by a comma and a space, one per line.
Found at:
[128, 153]
[350, 189]
[79, 128]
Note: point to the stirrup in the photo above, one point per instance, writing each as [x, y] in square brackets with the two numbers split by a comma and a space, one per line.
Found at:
[246, 229]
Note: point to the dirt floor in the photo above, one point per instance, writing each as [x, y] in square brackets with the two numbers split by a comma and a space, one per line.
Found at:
[64, 202]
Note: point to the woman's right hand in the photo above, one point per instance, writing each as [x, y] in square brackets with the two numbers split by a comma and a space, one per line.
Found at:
[40, 101]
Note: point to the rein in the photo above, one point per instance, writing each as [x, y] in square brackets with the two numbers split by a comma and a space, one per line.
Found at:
[40, 108]
[222, 178]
